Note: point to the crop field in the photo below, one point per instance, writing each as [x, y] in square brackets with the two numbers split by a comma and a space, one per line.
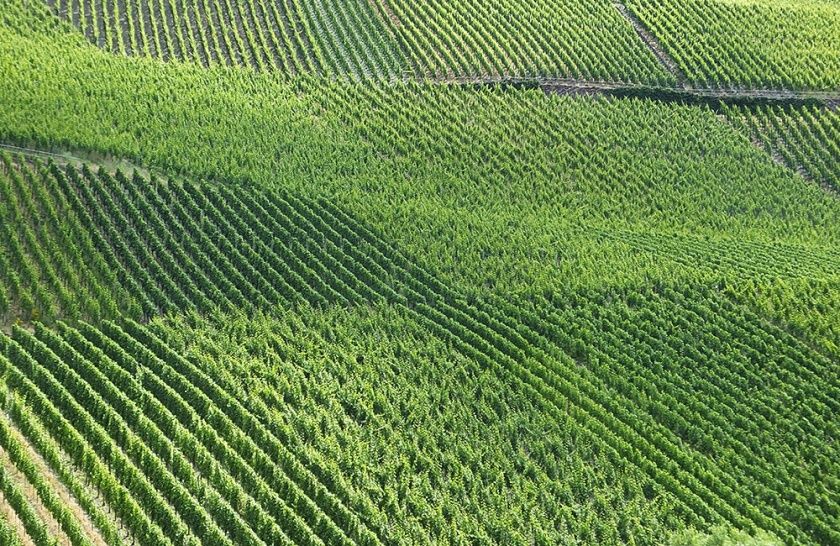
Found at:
[776, 44]
[379, 272]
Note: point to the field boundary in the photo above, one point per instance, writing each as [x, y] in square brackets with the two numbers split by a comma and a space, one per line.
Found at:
[686, 94]
[78, 158]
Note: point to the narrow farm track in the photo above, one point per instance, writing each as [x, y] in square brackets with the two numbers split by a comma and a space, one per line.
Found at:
[755, 44]
[678, 94]
[388, 40]
[664, 59]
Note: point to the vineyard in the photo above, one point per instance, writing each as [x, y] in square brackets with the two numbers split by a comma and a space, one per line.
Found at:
[329, 38]
[589, 189]
[296, 272]
[559, 353]
[521, 38]
[707, 43]
[806, 140]
[749, 43]
[157, 248]
[375, 38]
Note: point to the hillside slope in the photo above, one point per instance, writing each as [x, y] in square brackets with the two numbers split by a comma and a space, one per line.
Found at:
[270, 307]
[653, 380]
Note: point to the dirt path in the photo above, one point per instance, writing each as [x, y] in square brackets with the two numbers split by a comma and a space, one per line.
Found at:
[664, 59]
[778, 158]
[79, 158]
[682, 93]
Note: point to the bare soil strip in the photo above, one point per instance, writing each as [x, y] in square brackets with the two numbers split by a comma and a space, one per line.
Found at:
[15, 523]
[383, 5]
[33, 499]
[77, 158]
[664, 59]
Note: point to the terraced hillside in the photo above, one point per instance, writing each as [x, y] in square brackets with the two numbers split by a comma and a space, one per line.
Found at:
[259, 285]
[521, 38]
[588, 191]
[755, 44]
[118, 245]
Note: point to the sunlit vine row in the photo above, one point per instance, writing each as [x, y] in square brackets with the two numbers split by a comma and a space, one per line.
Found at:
[293, 252]
[175, 472]
[437, 168]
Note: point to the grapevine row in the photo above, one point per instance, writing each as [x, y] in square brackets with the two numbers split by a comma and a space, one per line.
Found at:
[213, 462]
[139, 401]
